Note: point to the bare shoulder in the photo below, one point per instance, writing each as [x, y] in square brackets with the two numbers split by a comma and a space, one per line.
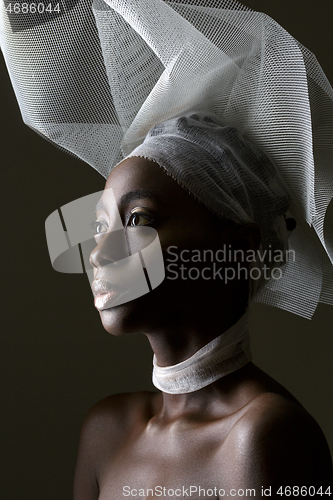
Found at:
[277, 440]
[112, 417]
[103, 432]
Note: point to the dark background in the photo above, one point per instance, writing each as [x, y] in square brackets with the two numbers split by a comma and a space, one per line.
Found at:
[56, 358]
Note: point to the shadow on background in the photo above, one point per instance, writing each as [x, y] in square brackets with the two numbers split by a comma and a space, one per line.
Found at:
[57, 360]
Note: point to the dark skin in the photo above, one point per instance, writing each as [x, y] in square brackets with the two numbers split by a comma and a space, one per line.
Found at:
[245, 430]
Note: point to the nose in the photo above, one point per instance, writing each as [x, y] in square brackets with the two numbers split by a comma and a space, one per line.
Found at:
[111, 248]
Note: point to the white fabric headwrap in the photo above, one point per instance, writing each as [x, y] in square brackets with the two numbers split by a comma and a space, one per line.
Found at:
[96, 80]
[231, 177]
[222, 356]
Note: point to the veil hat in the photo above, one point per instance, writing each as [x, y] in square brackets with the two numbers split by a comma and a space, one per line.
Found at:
[94, 79]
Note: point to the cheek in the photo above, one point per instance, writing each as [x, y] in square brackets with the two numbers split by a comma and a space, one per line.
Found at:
[199, 280]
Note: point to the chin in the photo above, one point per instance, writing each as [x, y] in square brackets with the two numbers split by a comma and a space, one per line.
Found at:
[124, 319]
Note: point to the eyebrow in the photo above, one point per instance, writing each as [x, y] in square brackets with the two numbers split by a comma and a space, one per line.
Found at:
[130, 196]
[137, 195]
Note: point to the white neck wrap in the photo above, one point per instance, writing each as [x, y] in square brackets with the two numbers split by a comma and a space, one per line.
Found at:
[223, 355]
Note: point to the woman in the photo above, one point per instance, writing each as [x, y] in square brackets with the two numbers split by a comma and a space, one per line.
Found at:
[220, 423]
[243, 292]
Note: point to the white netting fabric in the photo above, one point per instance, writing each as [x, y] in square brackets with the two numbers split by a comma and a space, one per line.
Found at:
[95, 79]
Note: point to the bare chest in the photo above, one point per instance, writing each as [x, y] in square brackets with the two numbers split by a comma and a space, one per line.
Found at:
[177, 463]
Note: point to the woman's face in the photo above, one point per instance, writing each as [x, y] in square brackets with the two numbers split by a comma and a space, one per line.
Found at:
[146, 196]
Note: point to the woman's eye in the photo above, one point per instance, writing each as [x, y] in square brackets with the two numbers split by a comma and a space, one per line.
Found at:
[139, 219]
[98, 227]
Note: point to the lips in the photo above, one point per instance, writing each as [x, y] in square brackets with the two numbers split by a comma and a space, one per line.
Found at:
[106, 294]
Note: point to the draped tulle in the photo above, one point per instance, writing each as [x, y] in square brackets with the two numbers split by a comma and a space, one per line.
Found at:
[95, 79]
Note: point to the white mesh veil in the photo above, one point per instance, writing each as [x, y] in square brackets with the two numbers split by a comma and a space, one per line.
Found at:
[95, 79]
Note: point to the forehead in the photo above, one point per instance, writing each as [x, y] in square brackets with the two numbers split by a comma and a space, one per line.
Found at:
[139, 173]
[138, 177]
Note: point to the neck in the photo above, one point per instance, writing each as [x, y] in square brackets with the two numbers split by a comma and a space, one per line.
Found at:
[220, 398]
[179, 342]
[221, 356]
